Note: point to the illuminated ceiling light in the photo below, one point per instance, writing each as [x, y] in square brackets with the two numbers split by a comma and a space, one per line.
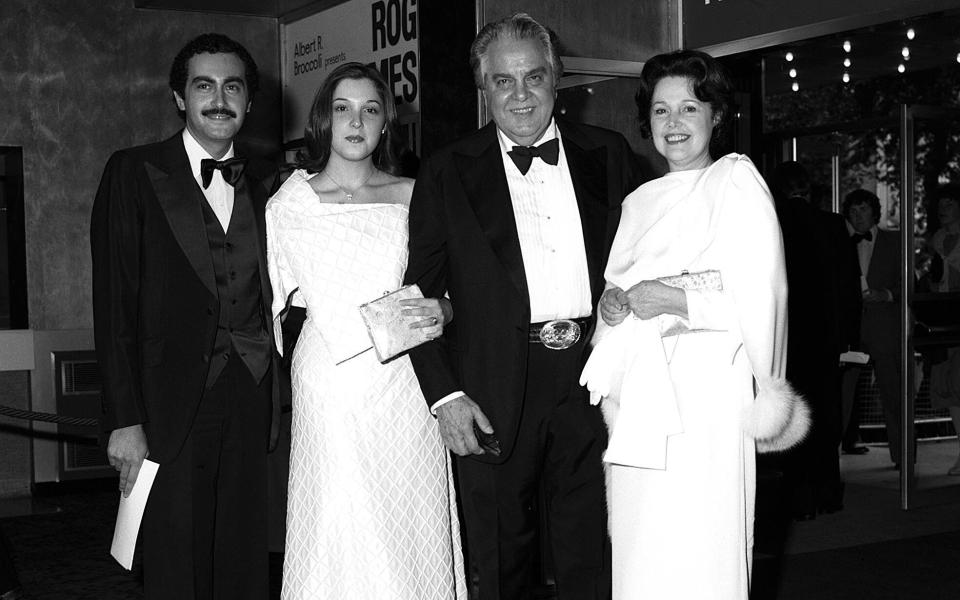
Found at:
[846, 62]
[793, 73]
[905, 53]
[846, 46]
[958, 57]
[789, 57]
[795, 87]
[911, 34]
[846, 77]
[901, 68]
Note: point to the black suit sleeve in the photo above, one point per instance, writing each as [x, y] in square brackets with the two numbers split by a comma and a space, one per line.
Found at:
[115, 244]
[427, 267]
[848, 285]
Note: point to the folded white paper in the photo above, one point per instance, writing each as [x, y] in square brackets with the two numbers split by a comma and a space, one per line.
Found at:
[130, 514]
[854, 357]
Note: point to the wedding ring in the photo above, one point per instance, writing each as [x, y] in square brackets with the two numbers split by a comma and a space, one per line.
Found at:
[434, 320]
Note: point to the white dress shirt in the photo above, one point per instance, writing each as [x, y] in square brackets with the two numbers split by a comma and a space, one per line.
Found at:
[864, 254]
[219, 193]
[551, 237]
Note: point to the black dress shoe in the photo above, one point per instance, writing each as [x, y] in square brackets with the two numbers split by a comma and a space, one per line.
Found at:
[856, 450]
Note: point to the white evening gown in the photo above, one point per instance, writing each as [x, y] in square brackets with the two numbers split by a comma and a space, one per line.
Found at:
[371, 511]
[682, 527]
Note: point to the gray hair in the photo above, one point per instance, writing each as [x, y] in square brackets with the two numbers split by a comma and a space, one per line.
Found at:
[518, 26]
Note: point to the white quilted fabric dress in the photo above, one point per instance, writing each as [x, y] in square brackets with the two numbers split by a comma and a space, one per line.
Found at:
[371, 511]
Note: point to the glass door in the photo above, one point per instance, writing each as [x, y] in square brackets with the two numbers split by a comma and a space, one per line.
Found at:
[930, 321]
[903, 401]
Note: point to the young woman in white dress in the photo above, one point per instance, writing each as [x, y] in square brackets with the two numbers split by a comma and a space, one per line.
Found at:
[692, 377]
[371, 511]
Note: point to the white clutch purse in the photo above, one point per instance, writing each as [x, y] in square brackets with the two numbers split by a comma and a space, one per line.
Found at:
[698, 280]
[389, 331]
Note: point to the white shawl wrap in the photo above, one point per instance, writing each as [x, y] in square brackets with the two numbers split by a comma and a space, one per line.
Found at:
[722, 218]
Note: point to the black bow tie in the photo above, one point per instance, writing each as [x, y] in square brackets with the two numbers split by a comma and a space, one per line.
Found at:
[522, 156]
[859, 237]
[232, 169]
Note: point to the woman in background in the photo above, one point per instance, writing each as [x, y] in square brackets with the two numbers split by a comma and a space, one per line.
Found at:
[945, 376]
[371, 511]
[693, 378]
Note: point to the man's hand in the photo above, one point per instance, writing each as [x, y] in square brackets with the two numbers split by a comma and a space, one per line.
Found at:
[613, 307]
[126, 451]
[456, 419]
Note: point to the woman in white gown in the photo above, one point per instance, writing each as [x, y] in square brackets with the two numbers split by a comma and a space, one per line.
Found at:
[678, 365]
[371, 511]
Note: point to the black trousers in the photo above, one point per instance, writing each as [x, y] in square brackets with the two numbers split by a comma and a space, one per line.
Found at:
[205, 526]
[557, 453]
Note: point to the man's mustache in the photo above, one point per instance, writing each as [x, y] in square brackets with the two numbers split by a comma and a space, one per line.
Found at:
[222, 110]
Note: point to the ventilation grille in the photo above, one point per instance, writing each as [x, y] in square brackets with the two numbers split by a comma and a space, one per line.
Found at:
[79, 387]
[81, 377]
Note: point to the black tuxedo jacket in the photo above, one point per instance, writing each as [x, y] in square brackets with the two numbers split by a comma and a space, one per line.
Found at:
[155, 300]
[880, 326]
[464, 242]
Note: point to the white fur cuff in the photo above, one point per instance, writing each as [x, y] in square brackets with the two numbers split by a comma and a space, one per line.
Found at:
[779, 417]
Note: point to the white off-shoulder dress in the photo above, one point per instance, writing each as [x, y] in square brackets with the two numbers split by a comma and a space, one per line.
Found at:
[371, 511]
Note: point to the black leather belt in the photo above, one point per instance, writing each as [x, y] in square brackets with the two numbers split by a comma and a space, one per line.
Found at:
[559, 334]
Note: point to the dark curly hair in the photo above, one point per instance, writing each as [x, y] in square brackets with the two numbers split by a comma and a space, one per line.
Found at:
[710, 83]
[858, 197]
[212, 43]
[318, 133]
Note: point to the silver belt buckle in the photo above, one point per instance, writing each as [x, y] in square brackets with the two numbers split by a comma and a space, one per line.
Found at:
[560, 334]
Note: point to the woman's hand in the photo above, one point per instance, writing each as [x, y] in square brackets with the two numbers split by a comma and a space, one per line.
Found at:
[649, 299]
[613, 308]
[429, 314]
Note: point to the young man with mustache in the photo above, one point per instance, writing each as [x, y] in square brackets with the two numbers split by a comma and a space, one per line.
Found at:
[180, 296]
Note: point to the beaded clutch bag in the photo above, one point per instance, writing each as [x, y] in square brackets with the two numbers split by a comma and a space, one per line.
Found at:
[389, 331]
[698, 280]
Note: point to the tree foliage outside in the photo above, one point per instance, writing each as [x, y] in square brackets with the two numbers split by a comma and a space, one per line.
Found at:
[871, 154]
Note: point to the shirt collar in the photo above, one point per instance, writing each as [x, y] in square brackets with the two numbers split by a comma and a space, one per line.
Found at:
[196, 153]
[551, 132]
[873, 230]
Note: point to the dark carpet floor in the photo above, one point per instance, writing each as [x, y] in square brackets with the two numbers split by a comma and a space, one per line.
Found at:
[62, 553]
[920, 568]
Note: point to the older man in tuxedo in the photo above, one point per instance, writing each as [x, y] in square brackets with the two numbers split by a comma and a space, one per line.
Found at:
[181, 299]
[514, 223]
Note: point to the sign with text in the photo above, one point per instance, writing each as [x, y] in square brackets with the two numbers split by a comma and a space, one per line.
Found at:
[382, 33]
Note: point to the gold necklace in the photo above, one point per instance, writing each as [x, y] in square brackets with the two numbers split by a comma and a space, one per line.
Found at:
[346, 194]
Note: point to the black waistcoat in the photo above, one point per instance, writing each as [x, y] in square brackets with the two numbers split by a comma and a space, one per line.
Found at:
[236, 268]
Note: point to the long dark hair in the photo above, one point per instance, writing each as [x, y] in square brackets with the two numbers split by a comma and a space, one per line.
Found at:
[710, 83]
[318, 133]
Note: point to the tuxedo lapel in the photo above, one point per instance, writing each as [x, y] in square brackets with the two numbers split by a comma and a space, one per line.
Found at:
[485, 185]
[588, 173]
[249, 190]
[179, 196]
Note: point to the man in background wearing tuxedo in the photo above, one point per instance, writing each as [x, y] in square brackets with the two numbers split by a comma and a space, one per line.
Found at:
[880, 277]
